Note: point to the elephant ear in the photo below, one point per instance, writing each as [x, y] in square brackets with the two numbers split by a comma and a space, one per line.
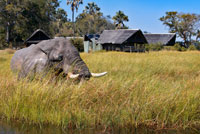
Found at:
[46, 46]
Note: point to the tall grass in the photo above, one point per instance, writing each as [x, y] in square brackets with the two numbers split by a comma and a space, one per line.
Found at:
[156, 89]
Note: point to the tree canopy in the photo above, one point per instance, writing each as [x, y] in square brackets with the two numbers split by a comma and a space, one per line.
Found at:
[185, 25]
[119, 19]
[92, 21]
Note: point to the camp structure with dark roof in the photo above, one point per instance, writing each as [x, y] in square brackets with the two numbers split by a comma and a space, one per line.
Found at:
[167, 39]
[36, 37]
[90, 43]
[123, 40]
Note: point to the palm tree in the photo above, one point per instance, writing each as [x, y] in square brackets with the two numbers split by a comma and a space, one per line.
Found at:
[74, 5]
[119, 19]
[92, 8]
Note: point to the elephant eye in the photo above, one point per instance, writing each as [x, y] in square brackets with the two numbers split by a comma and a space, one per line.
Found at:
[60, 58]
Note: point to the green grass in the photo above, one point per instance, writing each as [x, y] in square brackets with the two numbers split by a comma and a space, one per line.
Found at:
[156, 89]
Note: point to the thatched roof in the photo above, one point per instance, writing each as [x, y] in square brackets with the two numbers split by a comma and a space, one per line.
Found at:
[121, 36]
[36, 37]
[164, 39]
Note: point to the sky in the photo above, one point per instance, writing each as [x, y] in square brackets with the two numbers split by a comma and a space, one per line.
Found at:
[143, 14]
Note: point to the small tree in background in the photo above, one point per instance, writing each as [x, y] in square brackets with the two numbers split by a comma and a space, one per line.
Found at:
[74, 5]
[92, 21]
[183, 24]
[119, 19]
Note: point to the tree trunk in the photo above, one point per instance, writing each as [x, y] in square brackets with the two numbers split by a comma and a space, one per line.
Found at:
[7, 33]
[73, 23]
[7, 28]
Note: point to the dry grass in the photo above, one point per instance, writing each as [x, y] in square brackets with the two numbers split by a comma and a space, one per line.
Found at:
[156, 89]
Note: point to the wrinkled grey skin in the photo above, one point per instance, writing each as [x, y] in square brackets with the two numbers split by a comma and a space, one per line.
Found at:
[58, 54]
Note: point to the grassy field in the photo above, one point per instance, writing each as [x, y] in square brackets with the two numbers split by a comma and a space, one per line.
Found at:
[156, 89]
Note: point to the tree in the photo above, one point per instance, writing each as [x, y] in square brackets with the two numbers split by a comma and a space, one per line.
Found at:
[92, 21]
[20, 18]
[61, 19]
[184, 25]
[74, 5]
[92, 9]
[119, 19]
[8, 14]
[170, 20]
[198, 35]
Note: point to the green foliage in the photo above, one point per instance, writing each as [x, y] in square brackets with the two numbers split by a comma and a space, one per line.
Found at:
[92, 21]
[74, 5]
[155, 47]
[177, 47]
[185, 25]
[19, 19]
[147, 47]
[78, 43]
[169, 48]
[192, 47]
[198, 45]
[183, 49]
[119, 19]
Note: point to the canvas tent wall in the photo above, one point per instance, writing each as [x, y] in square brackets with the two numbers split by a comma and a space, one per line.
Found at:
[90, 43]
[36, 37]
[123, 40]
[167, 39]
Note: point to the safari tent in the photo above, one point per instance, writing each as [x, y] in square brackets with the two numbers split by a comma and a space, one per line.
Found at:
[167, 39]
[123, 40]
[90, 43]
[36, 37]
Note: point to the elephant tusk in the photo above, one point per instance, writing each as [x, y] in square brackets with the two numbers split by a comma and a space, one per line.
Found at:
[73, 76]
[98, 74]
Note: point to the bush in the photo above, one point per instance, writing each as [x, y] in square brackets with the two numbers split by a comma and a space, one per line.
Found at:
[177, 47]
[3, 43]
[192, 47]
[155, 47]
[183, 49]
[169, 48]
[78, 43]
[147, 47]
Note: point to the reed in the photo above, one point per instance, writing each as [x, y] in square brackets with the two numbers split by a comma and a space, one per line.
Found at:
[156, 89]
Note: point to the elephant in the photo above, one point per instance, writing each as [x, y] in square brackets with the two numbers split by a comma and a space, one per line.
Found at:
[58, 54]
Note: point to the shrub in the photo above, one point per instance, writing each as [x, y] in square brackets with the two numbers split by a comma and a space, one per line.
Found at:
[155, 47]
[147, 47]
[3, 43]
[78, 43]
[183, 49]
[192, 47]
[169, 48]
[177, 47]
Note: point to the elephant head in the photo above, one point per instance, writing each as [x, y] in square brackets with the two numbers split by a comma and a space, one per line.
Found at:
[64, 57]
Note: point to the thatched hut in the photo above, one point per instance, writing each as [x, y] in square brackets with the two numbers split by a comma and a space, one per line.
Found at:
[36, 37]
[123, 40]
[167, 39]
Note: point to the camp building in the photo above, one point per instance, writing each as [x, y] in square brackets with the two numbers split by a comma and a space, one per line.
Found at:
[122, 40]
[90, 43]
[167, 39]
[36, 37]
